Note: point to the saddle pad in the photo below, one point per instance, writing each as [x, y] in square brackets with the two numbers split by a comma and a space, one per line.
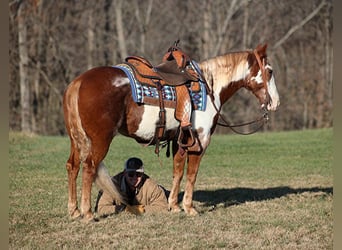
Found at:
[141, 91]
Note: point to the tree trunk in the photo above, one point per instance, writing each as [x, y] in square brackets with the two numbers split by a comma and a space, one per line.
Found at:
[91, 39]
[206, 30]
[143, 22]
[245, 26]
[23, 66]
[223, 27]
[120, 29]
[37, 111]
[329, 62]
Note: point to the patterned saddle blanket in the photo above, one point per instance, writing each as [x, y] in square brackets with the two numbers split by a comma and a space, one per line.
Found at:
[148, 94]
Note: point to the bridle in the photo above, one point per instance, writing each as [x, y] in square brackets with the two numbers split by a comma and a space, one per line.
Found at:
[263, 70]
[262, 119]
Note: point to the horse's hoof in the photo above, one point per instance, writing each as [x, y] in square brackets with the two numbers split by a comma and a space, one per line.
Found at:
[75, 214]
[89, 220]
[175, 209]
[191, 211]
[89, 217]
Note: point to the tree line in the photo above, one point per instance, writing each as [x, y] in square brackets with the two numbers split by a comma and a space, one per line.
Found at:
[52, 42]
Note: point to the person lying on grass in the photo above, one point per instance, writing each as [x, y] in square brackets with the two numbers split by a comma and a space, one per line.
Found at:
[143, 194]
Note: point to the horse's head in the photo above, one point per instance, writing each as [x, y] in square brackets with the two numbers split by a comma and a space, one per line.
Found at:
[261, 79]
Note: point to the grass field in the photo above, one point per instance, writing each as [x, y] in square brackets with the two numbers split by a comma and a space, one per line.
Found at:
[263, 191]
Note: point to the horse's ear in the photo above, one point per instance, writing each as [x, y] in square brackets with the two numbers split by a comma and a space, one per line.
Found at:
[261, 49]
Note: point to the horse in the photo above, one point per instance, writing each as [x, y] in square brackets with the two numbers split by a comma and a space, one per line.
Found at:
[98, 105]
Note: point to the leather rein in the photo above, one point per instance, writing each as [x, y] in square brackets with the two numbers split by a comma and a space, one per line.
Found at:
[262, 119]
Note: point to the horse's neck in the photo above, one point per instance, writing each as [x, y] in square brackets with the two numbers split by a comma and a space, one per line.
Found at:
[225, 74]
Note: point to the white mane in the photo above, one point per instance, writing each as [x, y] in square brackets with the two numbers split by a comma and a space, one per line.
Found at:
[222, 70]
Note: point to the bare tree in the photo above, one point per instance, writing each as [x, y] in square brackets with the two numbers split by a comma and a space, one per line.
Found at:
[23, 67]
[53, 42]
[143, 20]
[120, 29]
[91, 38]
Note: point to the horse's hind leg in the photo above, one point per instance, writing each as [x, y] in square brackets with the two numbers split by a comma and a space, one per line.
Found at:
[89, 167]
[98, 150]
[73, 167]
[88, 176]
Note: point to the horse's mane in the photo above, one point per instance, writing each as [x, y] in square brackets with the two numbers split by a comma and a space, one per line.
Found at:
[222, 61]
[225, 67]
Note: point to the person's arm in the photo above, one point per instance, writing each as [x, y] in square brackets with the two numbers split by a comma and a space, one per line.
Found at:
[156, 199]
[106, 205]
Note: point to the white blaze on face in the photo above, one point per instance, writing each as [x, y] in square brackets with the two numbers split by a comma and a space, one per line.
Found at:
[273, 92]
[271, 88]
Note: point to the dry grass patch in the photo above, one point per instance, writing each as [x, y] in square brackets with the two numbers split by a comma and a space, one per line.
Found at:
[268, 191]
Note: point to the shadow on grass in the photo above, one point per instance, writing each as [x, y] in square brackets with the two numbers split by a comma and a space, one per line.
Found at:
[236, 196]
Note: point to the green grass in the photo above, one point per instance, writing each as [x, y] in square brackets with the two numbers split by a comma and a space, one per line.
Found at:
[263, 191]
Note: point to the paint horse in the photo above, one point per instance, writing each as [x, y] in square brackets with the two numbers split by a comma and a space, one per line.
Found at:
[98, 105]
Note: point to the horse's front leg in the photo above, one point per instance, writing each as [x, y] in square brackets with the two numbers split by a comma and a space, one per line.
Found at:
[179, 158]
[191, 175]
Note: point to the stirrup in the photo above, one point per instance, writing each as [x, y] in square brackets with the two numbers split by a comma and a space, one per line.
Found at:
[181, 137]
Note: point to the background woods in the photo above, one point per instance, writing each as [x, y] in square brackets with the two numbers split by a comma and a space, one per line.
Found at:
[51, 42]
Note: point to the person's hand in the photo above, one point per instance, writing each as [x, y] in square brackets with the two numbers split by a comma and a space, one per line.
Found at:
[136, 209]
[120, 208]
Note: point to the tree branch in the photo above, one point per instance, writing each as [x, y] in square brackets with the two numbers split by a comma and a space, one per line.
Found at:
[299, 25]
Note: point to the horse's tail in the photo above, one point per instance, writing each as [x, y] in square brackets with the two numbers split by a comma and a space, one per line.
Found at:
[104, 182]
[73, 121]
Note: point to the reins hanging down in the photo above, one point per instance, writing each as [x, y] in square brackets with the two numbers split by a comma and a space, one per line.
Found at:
[263, 119]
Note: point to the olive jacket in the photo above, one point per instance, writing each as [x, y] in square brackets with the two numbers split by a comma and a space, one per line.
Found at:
[148, 193]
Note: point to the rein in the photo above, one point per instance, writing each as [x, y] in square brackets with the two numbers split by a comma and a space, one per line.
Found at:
[262, 120]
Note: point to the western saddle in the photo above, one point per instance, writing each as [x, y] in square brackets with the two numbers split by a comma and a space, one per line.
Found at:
[175, 70]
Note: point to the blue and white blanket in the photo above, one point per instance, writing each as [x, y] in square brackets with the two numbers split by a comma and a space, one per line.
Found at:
[139, 91]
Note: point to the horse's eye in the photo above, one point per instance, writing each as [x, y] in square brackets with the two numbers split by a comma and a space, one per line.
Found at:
[270, 71]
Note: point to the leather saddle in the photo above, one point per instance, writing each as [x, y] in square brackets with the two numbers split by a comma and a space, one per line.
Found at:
[166, 73]
[175, 70]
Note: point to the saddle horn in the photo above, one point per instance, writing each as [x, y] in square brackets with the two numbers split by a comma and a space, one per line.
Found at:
[174, 47]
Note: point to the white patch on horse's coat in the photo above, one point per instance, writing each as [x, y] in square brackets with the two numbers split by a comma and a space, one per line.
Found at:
[258, 78]
[200, 120]
[204, 120]
[224, 78]
[241, 71]
[120, 81]
[150, 118]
